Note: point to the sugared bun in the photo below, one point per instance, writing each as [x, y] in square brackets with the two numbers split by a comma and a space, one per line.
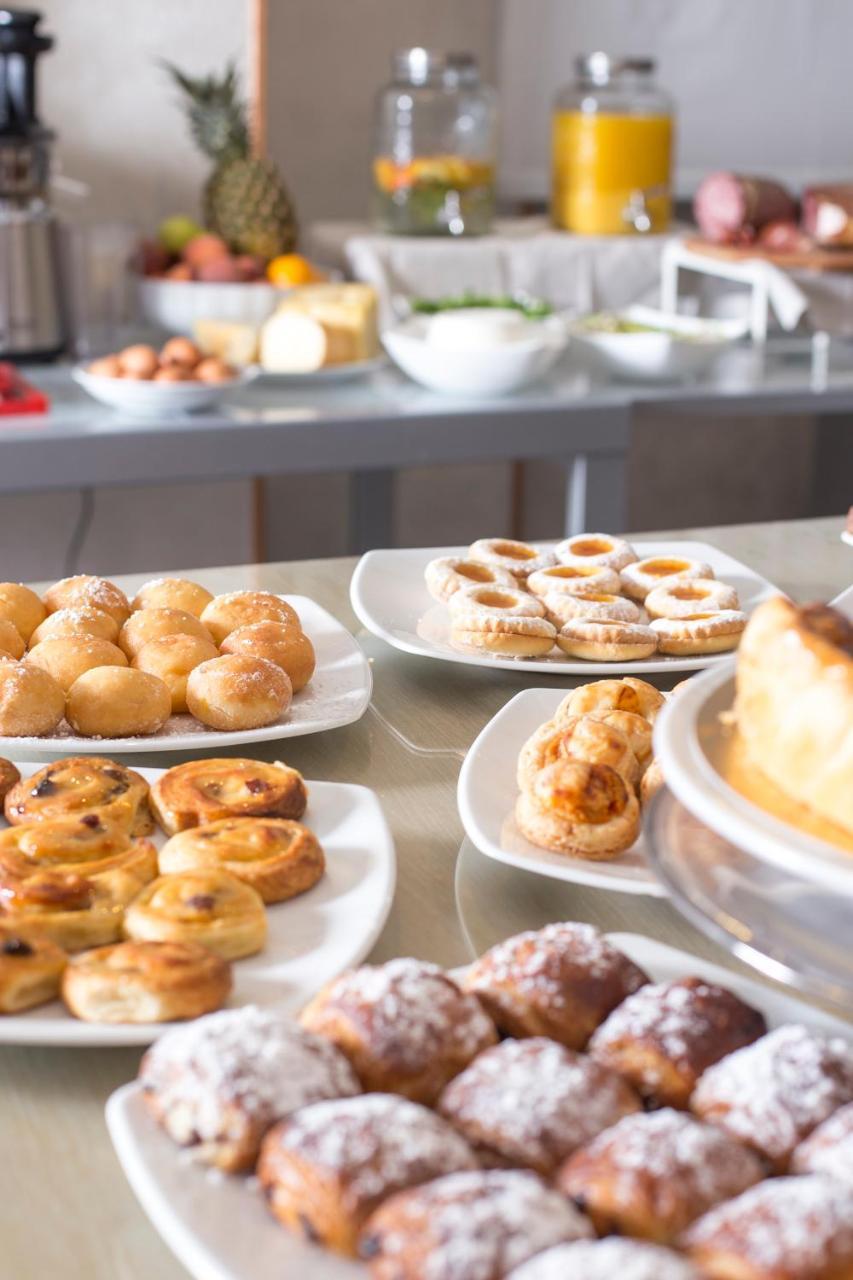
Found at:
[280, 643]
[172, 593]
[11, 640]
[606, 1260]
[93, 593]
[237, 691]
[68, 657]
[81, 621]
[242, 608]
[171, 658]
[151, 624]
[31, 702]
[117, 702]
[21, 607]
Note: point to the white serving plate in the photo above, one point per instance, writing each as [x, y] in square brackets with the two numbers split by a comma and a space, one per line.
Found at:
[659, 357]
[331, 374]
[486, 797]
[311, 938]
[207, 1220]
[337, 694]
[389, 596]
[161, 400]
[688, 733]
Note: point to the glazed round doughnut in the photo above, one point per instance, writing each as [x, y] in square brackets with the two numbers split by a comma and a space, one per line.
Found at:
[561, 607]
[278, 642]
[607, 641]
[448, 574]
[651, 782]
[519, 558]
[226, 613]
[628, 694]
[11, 640]
[81, 621]
[635, 728]
[208, 906]
[21, 607]
[595, 548]
[117, 702]
[509, 636]
[575, 580]
[577, 738]
[605, 1259]
[30, 968]
[86, 591]
[643, 576]
[172, 593]
[145, 982]
[237, 691]
[9, 776]
[277, 857]
[585, 810]
[152, 624]
[67, 657]
[31, 702]
[678, 599]
[204, 791]
[82, 785]
[171, 658]
[87, 845]
[499, 602]
[700, 632]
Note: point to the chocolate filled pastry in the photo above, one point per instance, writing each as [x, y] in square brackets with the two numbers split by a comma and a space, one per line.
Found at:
[585, 810]
[405, 1026]
[772, 1094]
[78, 785]
[171, 659]
[278, 642]
[606, 1260]
[31, 702]
[666, 1035]
[829, 1148]
[172, 593]
[88, 592]
[11, 641]
[210, 907]
[561, 981]
[203, 791]
[577, 738]
[653, 1173]
[88, 845]
[225, 614]
[533, 1102]
[30, 968]
[468, 1226]
[237, 691]
[69, 909]
[324, 1170]
[277, 857]
[145, 982]
[117, 702]
[783, 1229]
[9, 775]
[152, 624]
[22, 607]
[67, 657]
[76, 622]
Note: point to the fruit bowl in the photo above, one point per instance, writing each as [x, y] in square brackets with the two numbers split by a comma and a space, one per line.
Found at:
[146, 399]
[175, 305]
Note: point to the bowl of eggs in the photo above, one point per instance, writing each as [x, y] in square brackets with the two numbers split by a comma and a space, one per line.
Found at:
[146, 383]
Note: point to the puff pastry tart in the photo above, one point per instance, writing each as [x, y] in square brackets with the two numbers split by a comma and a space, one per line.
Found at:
[78, 785]
[476, 1226]
[829, 1149]
[635, 729]
[30, 968]
[577, 738]
[447, 575]
[277, 857]
[324, 1170]
[561, 981]
[9, 775]
[630, 694]
[202, 791]
[65, 907]
[606, 1260]
[405, 1026]
[145, 982]
[210, 907]
[584, 810]
[595, 549]
[218, 1085]
[87, 844]
[518, 558]
[664, 1036]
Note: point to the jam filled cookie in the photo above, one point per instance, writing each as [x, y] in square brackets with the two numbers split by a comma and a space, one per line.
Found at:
[145, 982]
[652, 1174]
[30, 968]
[472, 1225]
[202, 791]
[81, 621]
[88, 592]
[518, 558]
[643, 576]
[218, 1085]
[152, 624]
[829, 1149]
[607, 641]
[637, 696]
[9, 776]
[449, 574]
[31, 702]
[405, 1026]
[237, 692]
[117, 702]
[697, 633]
[87, 845]
[606, 1260]
[278, 642]
[226, 613]
[499, 602]
[278, 858]
[574, 580]
[79, 785]
[67, 657]
[600, 606]
[585, 810]
[209, 907]
[681, 599]
[577, 738]
[568, 1099]
[21, 607]
[172, 593]
[561, 982]
[666, 1035]
[509, 636]
[595, 549]
[171, 658]
[324, 1170]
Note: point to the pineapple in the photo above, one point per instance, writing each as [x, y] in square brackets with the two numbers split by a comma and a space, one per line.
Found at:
[245, 200]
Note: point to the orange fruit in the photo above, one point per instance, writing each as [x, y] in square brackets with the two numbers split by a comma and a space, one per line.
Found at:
[290, 269]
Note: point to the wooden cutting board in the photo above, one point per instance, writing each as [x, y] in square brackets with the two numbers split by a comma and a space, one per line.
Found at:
[803, 260]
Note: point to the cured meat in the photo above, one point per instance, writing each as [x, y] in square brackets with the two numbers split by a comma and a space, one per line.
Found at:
[731, 208]
[828, 214]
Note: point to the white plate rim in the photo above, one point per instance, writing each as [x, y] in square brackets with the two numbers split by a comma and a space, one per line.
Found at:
[366, 567]
[573, 870]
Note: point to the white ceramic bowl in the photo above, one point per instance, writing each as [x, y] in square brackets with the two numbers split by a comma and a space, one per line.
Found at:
[691, 344]
[156, 399]
[471, 371]
[175, 305]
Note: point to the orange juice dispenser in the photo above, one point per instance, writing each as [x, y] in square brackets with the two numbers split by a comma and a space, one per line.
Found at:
[612, 149]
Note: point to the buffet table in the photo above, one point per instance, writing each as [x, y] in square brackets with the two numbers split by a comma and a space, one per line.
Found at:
[59, 1171]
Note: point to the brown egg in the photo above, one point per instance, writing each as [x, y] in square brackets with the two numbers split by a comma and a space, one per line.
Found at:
[180, 351]
[139, 361]
[106, 367]
[173, 373]
[212, 369]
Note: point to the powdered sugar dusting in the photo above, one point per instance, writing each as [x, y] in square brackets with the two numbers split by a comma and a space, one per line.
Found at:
[606, 1260]
[830, 1148]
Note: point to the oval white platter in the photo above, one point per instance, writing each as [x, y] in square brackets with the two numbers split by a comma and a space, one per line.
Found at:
[332, 373]
[389, 596]
[687, 732]
[337, 694]
[206, 1220]
[311, 938]
[486, 796]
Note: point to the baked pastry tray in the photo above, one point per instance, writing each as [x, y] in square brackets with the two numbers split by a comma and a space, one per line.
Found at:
[206, 1219]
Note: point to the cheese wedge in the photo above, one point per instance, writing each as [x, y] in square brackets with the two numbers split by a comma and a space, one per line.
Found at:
[236, 344]
[319, 325]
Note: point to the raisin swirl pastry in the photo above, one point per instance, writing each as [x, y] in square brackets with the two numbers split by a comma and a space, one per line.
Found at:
[30, 968]
[209, 907]
[326, 1168]
[829, 1149]
[69, 909]
[405, 1026]
[219, 1084]
[278, 858]
[89, 845]
[561, 982]
[605, 1260]
[145, 982]
[533, 1102]
[9, 775]
[666, 1035]
[202, 791]
[82, 784]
